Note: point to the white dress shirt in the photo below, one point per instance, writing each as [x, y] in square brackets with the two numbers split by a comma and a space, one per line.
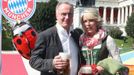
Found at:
[70, 47]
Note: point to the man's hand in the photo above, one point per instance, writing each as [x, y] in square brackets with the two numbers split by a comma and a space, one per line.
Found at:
[59, 63]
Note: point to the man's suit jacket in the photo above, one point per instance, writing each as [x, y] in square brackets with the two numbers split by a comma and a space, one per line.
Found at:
[47, 46]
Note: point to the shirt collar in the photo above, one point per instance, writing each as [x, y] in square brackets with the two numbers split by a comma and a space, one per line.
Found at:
[62, 31]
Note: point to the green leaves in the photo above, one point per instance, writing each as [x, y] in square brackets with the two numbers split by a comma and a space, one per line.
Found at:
[44, 16]
[130, 26]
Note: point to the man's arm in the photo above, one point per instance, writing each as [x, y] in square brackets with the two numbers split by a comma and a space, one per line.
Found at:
[37, 59]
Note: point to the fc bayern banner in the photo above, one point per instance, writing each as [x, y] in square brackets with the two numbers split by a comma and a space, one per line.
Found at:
[14, 10]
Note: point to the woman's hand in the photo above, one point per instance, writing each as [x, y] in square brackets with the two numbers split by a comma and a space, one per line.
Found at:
[100, 69]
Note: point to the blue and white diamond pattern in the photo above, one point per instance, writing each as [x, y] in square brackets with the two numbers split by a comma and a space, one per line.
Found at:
[17, 6]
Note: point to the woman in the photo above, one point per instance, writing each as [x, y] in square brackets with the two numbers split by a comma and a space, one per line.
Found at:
[97, 45]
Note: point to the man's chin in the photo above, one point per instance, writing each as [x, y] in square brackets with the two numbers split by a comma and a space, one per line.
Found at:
[66, 25]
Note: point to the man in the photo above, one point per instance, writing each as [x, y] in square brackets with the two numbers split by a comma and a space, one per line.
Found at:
[59, 38]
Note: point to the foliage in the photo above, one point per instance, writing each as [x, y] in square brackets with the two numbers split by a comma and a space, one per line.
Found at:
[130, 26]
[6, 35]
[44, 16]
[115, 32]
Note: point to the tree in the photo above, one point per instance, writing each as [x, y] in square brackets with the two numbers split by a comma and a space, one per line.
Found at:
[86, 3]
[44, 16]
[115, 32]
[6, 35]
[130, 26]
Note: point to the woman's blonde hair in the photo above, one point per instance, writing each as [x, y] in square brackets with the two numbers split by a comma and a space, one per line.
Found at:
[92, 13]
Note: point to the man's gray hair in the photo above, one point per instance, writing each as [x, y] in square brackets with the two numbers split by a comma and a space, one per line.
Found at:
[60, 3]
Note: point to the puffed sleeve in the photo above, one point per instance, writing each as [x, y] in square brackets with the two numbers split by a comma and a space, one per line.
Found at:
[113, 49]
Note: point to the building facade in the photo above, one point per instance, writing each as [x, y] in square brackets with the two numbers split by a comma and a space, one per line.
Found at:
[113, 12]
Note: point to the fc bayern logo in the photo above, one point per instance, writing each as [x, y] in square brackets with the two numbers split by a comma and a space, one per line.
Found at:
[18, 9]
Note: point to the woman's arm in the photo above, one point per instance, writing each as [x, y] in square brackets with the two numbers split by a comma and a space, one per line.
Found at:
[113, 49]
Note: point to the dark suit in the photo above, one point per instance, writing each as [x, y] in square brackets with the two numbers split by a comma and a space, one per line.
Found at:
[48, 45]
